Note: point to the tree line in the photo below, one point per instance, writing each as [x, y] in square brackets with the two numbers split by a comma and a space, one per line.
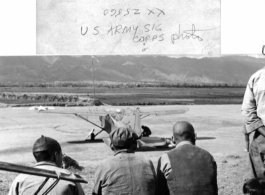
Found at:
[110, 84]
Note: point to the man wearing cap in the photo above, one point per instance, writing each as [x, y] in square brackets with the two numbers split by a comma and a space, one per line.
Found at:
[125, 172]
[48, 155]
[186, 169]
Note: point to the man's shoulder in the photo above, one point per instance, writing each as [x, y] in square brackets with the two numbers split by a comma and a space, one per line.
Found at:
[258, 74]
[53, 168]
[260, 71]
[32, 182]
[57, 169]
[199, 149]
[204, 151]
[21, 177]
[144, 160]
[192, 148]
[108, 162]
[114, 161]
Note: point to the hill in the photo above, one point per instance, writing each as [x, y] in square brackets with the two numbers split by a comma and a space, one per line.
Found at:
[224, 69]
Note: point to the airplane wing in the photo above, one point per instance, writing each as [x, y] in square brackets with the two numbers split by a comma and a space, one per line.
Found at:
[95, 111]
[166, 112]
[49, 108]
[118, 112]
[41, 108]
[33, 108]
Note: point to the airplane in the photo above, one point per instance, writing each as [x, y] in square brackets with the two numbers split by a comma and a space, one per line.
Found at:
[111, 118]
[41, 108]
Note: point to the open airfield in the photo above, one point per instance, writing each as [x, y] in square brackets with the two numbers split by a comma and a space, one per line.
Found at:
[218, 128]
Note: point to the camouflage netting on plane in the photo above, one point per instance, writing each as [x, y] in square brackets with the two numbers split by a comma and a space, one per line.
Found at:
[51, 99]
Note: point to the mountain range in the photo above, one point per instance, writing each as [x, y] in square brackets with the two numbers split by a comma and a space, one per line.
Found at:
[223, 69]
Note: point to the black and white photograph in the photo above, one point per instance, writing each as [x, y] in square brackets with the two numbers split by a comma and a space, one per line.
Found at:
[87, 104]
[157, 97]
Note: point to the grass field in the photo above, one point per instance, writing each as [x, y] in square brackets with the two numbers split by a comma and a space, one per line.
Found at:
[218, 127]
[142, 96]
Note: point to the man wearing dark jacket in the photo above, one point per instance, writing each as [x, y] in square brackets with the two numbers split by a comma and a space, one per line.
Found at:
[187, 169]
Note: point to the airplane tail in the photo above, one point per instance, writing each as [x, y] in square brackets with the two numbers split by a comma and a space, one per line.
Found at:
[108, 123]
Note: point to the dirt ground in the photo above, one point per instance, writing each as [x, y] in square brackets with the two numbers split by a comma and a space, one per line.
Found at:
[218, 127]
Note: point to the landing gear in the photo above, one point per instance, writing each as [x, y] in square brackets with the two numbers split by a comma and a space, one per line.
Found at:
[92, 137]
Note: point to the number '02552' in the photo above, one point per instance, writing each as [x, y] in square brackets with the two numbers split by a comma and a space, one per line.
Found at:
[120, 12]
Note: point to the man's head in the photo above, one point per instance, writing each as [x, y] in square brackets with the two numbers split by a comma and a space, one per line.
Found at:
[47, 149]
[254, 186]
[183, 131]
[123, 138]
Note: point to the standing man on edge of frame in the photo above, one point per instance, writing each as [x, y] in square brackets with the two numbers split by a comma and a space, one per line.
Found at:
[253, 111]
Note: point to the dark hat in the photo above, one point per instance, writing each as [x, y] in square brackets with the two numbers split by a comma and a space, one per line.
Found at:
[46, 143]
[123, 136]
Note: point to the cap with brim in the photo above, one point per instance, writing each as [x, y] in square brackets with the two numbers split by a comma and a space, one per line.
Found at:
[45, 144]
[123, 136]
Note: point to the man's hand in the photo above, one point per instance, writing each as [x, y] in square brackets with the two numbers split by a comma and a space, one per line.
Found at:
[262, 130]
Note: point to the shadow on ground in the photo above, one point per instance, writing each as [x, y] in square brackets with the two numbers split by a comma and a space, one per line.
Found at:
[86, 141]
[205, 138]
